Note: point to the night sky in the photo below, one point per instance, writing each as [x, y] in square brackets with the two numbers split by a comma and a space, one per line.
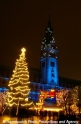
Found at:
[23, 24]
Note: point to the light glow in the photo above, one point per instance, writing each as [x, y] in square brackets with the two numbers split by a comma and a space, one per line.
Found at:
[53, 109]
[19, 84]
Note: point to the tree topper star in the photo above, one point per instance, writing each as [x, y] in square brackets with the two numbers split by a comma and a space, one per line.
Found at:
[23, 50]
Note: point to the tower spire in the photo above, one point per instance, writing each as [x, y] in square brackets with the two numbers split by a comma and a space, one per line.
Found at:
[49, 22]
[49, 66]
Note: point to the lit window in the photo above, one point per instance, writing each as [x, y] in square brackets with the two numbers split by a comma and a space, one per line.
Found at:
[42, 42]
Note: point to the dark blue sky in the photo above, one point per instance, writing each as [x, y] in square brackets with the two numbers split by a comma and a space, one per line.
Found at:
[23, 23]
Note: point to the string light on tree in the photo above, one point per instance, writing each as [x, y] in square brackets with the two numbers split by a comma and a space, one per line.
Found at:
[76, 98]
[3, 99]
[19, 84]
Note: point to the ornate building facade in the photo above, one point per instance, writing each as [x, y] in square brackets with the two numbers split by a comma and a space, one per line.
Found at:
[48, 63]
[47, 78]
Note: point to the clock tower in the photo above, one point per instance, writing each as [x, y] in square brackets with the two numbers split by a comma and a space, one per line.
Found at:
[48, 61]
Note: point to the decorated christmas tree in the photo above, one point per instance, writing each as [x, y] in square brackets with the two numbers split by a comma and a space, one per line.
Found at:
[18, 95]
[76, 96]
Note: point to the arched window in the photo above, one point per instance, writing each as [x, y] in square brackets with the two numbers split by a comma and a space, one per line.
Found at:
[52, 75]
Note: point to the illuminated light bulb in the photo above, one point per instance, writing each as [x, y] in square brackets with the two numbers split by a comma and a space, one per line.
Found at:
[11, 88]
[23, 50]
[26, 99]
[52, 89]
[10, 105]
